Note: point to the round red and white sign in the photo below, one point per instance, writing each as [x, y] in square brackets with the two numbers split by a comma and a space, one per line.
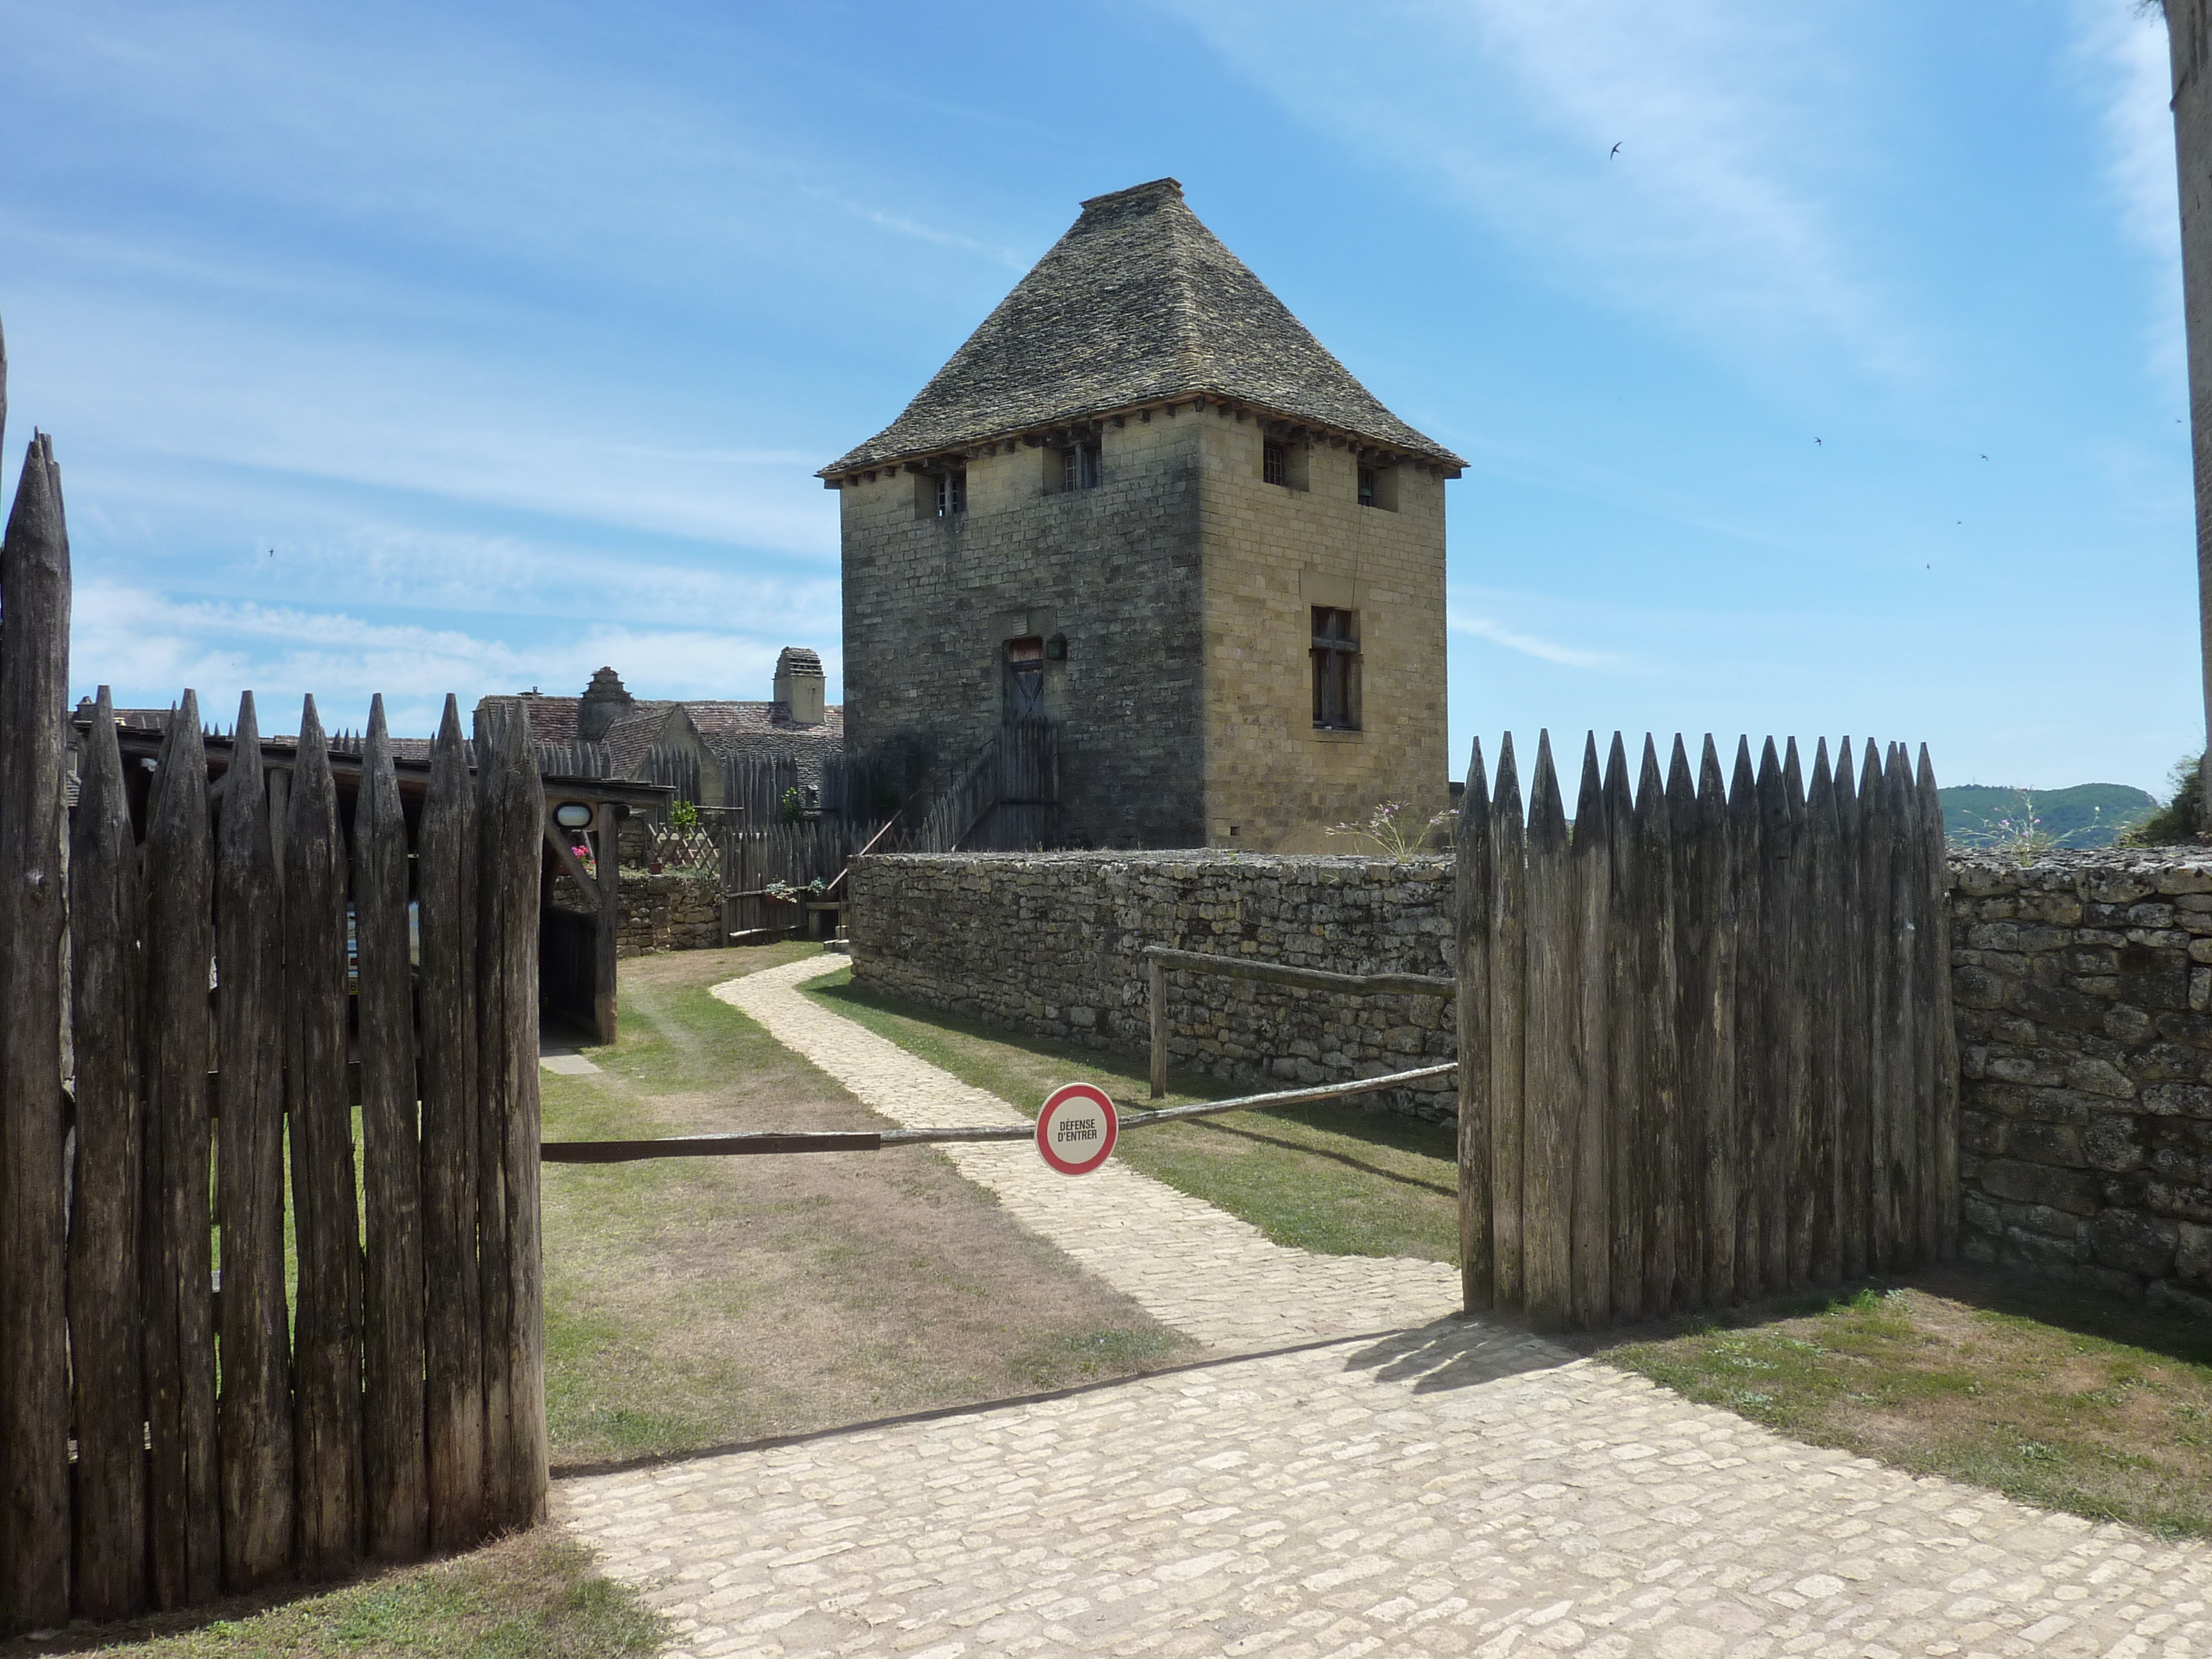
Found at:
[1076, 1130]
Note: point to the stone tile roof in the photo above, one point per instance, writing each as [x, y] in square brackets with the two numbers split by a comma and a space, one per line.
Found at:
[1138, 303]
[724, 726]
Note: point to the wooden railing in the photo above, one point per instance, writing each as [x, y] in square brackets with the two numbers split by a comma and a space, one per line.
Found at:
[1159, 959]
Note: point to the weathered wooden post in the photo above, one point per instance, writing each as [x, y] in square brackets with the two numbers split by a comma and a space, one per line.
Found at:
[1659, 996]
[1156, 990]
[511, 827]
[255, 1425]
[1936, 1010]
[185, 1490]
[1553, 1069]
[1471, 889]
[326, 1369]
[1589, 1103]
[446, 867]
[1613, 981]
[1709, 1046]
[1851, 1061]
[34, 611]
[1508, 960]
[397, 1504]
[1746, 991]
[607, 868]
[105, 1329]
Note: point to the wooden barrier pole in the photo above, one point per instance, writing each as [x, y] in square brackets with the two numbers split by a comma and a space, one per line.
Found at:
[1553, 1056]
[1706, 1039]
[327, 1339]
[1851, 1026]
[34, 620]
[1792, 973]
[1156, 990]
[1508, 957]
[255, 1421]
[1589, 1105]
[453, 1328]
[1937, 1011]
[105, 1326]
[1471, 887]
[1821, 942]
[513, 812]
[184, 1486]
[1745, 991]
[1614, 1007]
[395, 1503]
[1875, 899]
[1659, 996]
[606, 866]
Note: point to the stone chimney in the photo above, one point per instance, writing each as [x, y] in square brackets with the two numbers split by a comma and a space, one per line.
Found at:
[605, 702]
[800, 685]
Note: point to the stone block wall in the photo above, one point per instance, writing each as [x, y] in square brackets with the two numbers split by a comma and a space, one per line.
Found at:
[1051, 945]
[2083, 989]
[659, 912]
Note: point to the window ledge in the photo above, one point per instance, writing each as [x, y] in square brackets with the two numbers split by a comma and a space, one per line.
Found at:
[1336, 734]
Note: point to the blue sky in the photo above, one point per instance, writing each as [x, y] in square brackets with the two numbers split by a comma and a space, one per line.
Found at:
[424, 348]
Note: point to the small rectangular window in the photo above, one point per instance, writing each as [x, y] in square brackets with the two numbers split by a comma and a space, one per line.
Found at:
[1335, 669]
[1078, 467]
[1367, 486]
[1275, 463]
[951, 493]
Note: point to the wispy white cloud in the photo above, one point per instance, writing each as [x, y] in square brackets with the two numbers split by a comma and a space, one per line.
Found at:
[1712, 216]
[150, 648]
[2121, 50]
[1529, 645]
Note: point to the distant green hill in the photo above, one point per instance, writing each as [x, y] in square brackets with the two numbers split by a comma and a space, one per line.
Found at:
[2087, 815]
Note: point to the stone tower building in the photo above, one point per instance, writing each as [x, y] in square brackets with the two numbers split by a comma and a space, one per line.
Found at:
[1144, 501]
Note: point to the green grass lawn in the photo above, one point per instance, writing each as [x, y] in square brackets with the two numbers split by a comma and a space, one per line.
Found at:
[1336, 1177]
[532, 1596]
[2097, 1410]
[693, 1303]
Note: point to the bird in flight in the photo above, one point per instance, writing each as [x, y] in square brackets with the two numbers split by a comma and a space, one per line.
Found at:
[1985, 458]
[1615, 151]
[1816, 441]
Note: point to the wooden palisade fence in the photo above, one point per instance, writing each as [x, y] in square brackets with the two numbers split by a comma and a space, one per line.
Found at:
[1705, 1048]
[165, 1438]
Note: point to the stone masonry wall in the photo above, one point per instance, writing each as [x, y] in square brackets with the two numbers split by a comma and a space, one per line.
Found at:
[930, 603]
[659, 912]
[2081, 988]
[1050, 944]
[2083, 992]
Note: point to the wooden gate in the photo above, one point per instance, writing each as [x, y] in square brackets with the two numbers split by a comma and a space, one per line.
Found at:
[236, 980]
[1706, 1043]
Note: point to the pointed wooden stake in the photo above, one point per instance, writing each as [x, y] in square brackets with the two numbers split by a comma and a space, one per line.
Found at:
[1471, 887]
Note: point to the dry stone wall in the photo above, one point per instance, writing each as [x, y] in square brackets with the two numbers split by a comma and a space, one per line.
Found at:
[2083, 990]
[659, 912]
[1051, 943]
[2081, 986]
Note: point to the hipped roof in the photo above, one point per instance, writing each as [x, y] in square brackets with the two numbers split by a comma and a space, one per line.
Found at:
[1139, 304]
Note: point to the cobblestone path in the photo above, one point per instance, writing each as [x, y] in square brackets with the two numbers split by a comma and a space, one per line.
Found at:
[1446, 1488]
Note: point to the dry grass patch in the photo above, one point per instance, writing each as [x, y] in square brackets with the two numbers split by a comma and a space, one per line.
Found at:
[2100, 1411]
[696, 1303]
[534, 1595]
[1339, 1178]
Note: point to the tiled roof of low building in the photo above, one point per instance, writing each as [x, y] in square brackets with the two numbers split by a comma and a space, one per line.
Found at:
[1138, 303]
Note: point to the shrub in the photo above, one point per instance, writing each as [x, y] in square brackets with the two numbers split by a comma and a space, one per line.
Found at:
[2176, 823]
